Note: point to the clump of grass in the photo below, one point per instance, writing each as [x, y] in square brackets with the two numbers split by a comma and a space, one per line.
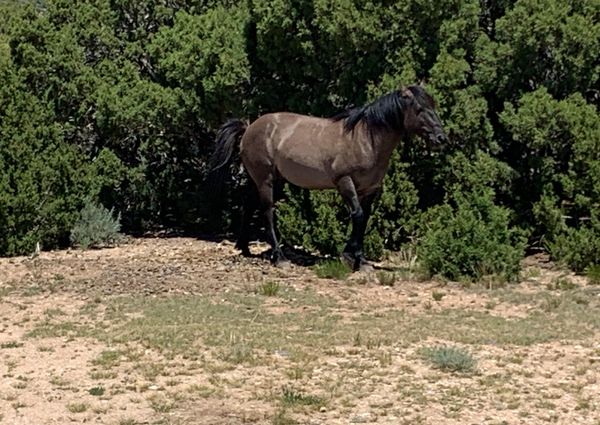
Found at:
[450, 359]
[45, 349]
[282, 418]
[11, 344]
[59, 381]
[18, 405]
[561, 284]
[291, 397]
[386, 278]
[357, 339]
[437, 295]
[268, 289]
[161, 404]
[493, 281]
[203, 391]
[19, 385]
[102, 374]
[333, 269]
[54, 312]
[97, 391]
[107, 359]
[238, 353]
[550, 303]
[77, 407]
[296, 373]
[593, 274]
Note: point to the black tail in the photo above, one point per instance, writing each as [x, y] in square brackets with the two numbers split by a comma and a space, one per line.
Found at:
[228, 137]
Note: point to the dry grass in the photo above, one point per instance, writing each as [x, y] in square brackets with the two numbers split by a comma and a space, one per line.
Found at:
[287, 348]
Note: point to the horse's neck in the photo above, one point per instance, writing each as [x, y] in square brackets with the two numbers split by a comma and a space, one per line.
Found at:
[385, 143]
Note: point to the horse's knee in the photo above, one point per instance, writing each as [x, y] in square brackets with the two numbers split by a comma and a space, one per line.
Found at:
[357, 215]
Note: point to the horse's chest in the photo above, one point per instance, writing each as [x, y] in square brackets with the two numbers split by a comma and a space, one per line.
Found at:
[369, 179]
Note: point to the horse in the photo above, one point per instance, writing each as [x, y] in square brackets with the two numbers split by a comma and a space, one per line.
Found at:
[349, 152]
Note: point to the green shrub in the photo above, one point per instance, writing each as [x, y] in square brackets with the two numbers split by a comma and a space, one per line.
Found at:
[96, 227]
[577, 248]
[395, 214]
[332, 269]
[437, 295]
[555, 148]
[471, 240]
[268, 289]
[97, 391]
[451, 359]
[593, 274]
[386, 278]
[315, 220]
[291, 397]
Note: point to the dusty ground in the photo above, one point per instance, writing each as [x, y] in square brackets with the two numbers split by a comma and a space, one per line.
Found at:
[181, 331]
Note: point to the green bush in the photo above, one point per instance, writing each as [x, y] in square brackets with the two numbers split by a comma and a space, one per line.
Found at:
[315, 220]
[579, 248]
[593, 274]
[96, 227]
[43, 180]
[268, 289]
[332, 269]
[451, 359]
[471, 239]
[558, 160]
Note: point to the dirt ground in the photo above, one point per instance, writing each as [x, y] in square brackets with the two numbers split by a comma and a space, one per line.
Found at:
[185, 331]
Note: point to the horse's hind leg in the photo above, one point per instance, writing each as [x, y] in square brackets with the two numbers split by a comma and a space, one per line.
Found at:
[267, 206]
[250, 206]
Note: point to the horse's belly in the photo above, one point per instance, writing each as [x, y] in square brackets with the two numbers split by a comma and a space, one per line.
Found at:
[304, 175]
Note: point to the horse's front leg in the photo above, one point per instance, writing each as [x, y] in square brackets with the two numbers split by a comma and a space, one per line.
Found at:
[359, 213]
[366, 204]
[359, 227]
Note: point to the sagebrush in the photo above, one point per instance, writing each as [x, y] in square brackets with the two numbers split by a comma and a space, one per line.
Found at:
[96, 227]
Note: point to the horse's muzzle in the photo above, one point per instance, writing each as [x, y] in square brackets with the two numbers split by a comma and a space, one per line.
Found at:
[438, 141]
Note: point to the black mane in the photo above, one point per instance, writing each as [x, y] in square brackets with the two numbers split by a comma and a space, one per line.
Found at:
[385, 113]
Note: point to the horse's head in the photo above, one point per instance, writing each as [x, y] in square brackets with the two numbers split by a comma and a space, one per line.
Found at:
[420, 117]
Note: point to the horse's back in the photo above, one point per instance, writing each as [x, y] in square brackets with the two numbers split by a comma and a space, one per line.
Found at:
[301, 147]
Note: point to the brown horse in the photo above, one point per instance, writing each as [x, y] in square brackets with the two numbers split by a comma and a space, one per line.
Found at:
[349, 152]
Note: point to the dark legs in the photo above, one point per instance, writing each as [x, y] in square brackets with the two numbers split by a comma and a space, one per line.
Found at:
[249, 207]
[359, 212]
[267, 207]
[261, 199]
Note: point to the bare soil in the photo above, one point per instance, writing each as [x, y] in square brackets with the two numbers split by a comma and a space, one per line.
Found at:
[78, 343]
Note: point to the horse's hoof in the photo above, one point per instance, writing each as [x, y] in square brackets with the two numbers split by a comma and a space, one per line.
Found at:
[356, 263]
[283, 264]
[246, 252]
[365, 267]
[347, 258]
